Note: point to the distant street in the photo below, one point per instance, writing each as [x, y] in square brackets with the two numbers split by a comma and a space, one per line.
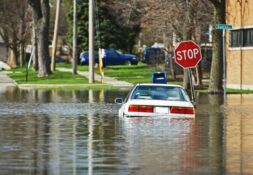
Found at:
[6, 81]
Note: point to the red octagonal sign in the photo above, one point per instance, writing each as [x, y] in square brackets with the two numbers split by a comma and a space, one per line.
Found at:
[187, 54]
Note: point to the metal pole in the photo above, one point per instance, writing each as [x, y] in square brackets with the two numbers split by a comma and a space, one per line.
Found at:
[91, 42]
[26, 74]
[191, 84]
[193, 95]
[29, 64]
[224, 65]
[74, 63]
[56, 27]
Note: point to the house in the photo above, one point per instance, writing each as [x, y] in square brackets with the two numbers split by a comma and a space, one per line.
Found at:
[239, 41]
[3, 50]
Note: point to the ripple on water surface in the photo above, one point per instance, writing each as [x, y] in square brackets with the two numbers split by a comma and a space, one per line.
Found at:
[57, 108]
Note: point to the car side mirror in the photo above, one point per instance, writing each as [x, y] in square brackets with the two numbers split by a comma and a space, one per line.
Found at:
[118, 101]
[194, 103]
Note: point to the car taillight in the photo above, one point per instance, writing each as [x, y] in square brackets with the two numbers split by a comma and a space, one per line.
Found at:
[182, 110]
[140, 108]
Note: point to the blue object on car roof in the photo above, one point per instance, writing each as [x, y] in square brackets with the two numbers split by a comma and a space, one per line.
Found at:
[159, 77]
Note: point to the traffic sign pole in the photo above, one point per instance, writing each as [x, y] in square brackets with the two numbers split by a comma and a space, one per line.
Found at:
[188, 55]
[191, 84]
[224, 65]
[224, 27]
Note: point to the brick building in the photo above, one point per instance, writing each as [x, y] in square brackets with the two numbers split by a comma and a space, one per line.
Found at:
[240, 44]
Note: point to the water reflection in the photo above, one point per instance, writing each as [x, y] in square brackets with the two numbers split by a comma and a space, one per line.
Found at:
[56, 102]
[56, 96]
[78, 132]
[239, 134]
[149, 138]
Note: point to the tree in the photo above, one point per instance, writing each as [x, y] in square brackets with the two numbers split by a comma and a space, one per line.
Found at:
[187, 35]
[15, 28]
[41, 17]
[128, 15]
[176, 20]
[108, 32]
[215, 84]
[35, 49]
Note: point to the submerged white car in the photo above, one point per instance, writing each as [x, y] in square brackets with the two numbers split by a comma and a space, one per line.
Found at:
[156, 100]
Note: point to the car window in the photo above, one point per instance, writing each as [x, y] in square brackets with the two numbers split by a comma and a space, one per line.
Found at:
[159, 93]
[112, 53]
[128, 95]
[118, 52]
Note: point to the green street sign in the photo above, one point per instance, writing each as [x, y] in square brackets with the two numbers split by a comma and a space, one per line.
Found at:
[223, 26]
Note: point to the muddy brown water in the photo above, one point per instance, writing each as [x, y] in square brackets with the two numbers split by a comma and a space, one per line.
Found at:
[79, 132]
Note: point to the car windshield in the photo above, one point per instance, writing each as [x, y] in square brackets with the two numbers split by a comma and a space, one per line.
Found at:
[159, 93]
[119, 52]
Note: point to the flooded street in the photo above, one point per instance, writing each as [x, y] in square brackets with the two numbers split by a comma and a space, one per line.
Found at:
[78, 132]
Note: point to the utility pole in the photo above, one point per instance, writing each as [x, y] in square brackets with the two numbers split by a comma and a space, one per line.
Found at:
[56, 27]
[91, 41]
[74, 62]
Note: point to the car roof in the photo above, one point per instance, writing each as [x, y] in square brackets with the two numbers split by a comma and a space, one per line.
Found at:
[157, 84]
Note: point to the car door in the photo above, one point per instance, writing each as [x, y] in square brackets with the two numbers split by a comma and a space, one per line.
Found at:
[114, 57]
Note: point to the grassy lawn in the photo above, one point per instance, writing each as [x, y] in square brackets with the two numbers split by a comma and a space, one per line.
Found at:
[230, 91]
[69, 66]
[238, 91]
[140, 73]
[19, 75]
[91, 87]
[132, 74]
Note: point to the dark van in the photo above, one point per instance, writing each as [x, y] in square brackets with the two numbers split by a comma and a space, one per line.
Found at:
[153, 56]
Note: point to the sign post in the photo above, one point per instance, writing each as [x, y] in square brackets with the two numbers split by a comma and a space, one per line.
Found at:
[224, 27]
[188, 55]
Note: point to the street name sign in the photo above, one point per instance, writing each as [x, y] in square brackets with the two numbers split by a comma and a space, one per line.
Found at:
[187, 54]
[223, 26]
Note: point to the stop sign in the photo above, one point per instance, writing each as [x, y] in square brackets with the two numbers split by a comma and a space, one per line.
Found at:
[187, 54]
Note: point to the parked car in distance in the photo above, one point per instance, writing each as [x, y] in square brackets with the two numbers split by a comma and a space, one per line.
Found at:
[112, 57]
[153, 56]
[156, 100]
[84, 58]
[207, 52]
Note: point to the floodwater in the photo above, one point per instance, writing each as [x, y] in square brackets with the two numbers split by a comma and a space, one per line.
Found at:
[78, 132]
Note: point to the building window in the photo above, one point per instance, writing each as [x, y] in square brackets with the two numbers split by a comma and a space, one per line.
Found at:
[241, 38]
[248, 37]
